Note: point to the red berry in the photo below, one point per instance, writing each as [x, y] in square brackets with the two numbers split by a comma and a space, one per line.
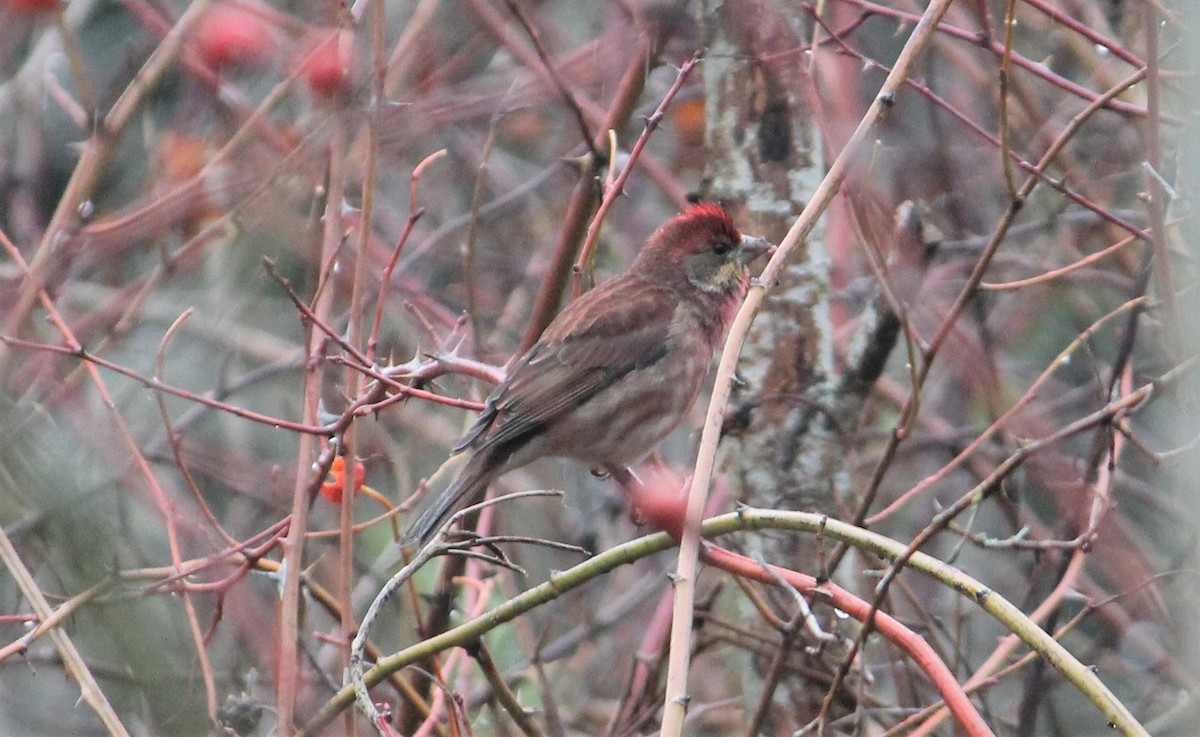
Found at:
[231, 34]
[327, 63]
[32, 7]
[660, 501]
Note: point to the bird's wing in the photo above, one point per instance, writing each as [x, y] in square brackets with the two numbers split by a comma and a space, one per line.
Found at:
[612, 330]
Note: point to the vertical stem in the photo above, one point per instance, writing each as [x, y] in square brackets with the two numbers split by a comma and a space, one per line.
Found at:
[293, 545]
[675, 706]
[354, 336]
[1156, 204]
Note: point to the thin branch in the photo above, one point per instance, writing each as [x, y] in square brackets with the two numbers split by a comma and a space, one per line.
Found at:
[168, 512]
[385, 278]
[583, 197]
[524, 720]
[614, 190]
[550, 69]
[72, 658]
[93, 360]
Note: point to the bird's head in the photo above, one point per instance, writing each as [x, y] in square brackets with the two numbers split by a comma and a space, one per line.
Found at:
[704, 247]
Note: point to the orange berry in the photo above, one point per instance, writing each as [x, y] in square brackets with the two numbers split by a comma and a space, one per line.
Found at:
[332, 489]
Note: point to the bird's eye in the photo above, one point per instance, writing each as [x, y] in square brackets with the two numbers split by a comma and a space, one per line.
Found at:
[722, 247]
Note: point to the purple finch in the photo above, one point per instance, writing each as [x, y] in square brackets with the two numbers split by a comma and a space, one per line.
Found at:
[619, 368]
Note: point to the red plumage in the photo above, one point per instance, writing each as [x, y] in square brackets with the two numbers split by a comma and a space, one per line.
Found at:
[619, 368]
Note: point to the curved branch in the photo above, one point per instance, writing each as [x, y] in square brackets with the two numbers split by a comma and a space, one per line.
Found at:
[1012, 618]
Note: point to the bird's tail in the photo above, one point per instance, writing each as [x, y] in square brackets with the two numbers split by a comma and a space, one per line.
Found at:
[467, 489]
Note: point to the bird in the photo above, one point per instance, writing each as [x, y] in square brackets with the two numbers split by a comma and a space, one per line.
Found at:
[616, 370]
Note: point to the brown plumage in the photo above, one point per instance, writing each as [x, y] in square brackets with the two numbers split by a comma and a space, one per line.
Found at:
[618, 369]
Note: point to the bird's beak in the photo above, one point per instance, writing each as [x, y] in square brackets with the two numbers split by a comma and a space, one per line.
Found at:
[752, 247]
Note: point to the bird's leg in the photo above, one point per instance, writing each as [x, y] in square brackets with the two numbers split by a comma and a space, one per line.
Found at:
[631, 487]
[626, 477]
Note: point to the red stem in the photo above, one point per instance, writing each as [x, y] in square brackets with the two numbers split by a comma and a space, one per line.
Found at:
[910, 642]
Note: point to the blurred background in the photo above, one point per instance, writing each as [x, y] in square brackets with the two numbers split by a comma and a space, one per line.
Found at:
[1009, 264]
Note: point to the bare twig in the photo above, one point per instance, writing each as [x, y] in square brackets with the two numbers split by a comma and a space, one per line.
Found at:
[614, 190]
[72, 658]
